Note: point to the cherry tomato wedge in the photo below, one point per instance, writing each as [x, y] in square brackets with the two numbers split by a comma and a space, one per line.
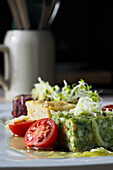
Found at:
[19, 128]
[42, 134]
[110, 107]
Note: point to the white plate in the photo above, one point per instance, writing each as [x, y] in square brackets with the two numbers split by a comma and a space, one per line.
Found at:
[10, 158]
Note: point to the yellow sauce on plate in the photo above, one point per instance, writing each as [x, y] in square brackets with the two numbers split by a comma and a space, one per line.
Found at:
[17, 143]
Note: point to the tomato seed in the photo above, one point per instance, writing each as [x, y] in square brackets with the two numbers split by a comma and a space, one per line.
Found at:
[48, 127]
[29, 137]
[39, 139]
[43, 128]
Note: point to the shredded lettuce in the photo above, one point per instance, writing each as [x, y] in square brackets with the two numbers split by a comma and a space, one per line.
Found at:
[87, 101]
[85, 106]
[44, 91]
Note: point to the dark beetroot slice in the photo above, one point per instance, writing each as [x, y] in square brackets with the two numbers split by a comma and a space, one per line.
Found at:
[19, 107]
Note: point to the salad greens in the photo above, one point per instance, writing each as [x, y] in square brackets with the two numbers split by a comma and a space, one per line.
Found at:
[44, 91]
[71, 94]
[81, 94]
[85, 106]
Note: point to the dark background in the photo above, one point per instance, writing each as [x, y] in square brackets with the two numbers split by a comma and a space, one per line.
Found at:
[83, 31]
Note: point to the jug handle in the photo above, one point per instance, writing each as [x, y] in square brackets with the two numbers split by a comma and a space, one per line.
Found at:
[4, 81]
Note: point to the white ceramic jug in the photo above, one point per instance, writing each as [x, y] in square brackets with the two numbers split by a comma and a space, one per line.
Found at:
[27, 55]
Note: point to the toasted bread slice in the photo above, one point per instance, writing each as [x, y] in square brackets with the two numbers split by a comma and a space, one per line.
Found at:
[41, 109]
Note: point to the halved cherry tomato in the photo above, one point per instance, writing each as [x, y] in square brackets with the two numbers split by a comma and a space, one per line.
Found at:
[42, 134]
[19, 128]
[110, 107]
